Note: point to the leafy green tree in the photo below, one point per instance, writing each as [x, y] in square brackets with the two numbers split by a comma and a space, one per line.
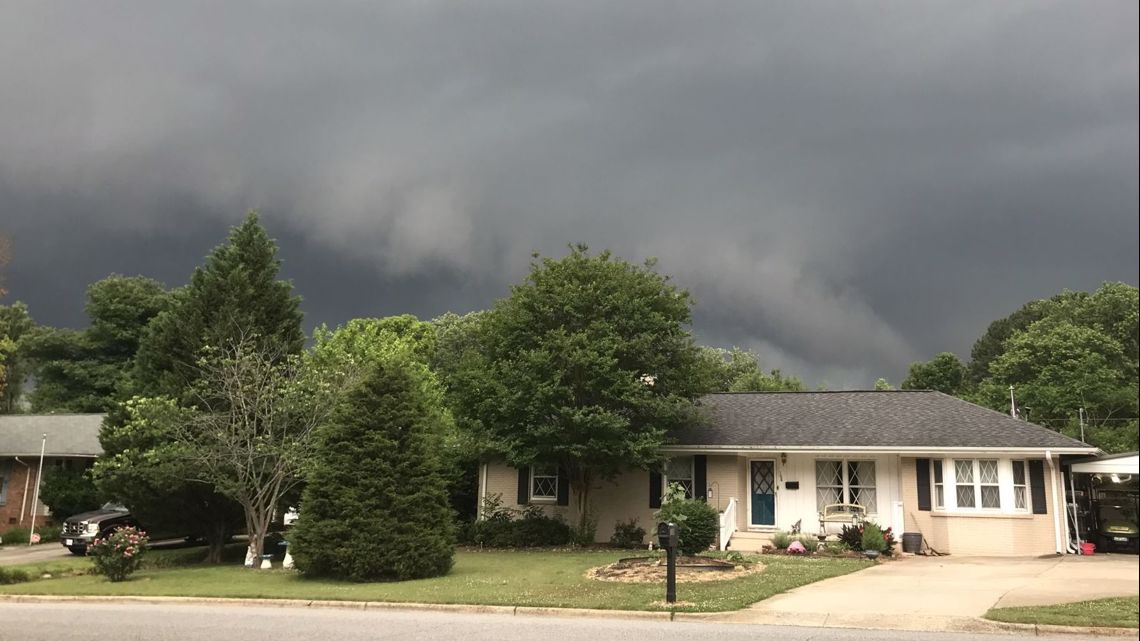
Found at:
[15, 323]
[143, 466]
[84, 370]
[992, 342]
[375, 506]
[234, 296]
[738, 370]
[251, 431]
[1057, 367]
[587, 365]
[944, 373]
[883, 385]
[68, 491]
[1076, 350]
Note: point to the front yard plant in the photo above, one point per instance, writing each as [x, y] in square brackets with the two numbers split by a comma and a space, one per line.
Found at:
[119, 554]
[697, 522]
[376, 505]
[503, 527]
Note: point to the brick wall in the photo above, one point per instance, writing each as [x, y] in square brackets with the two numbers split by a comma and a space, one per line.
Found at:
[13, 498]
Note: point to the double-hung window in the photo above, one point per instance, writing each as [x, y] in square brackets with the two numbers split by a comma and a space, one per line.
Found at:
[679, 470]
[543, 483]
[1020, 486]
[939, 485]
[976, 484]
[846, 482]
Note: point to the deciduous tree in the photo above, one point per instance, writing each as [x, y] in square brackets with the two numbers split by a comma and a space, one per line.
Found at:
[587, 365]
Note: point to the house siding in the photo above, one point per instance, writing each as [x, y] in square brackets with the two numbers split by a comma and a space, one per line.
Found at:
[1022, 534]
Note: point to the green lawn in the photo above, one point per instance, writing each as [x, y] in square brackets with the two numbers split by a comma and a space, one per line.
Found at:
[539, 578]
[1116, 613]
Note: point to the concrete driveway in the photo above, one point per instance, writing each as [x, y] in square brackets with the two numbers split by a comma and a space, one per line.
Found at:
[946, 593]
[17, 554]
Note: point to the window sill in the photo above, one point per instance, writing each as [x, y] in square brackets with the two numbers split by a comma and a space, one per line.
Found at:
[542, 500]
[981, 515]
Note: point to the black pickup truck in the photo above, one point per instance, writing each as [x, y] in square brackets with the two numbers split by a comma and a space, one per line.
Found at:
[80, 530]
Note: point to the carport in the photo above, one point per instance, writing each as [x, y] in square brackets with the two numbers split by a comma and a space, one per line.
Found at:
[1106, 495]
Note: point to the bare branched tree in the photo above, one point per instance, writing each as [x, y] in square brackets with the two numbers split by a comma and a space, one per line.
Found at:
[257, 410]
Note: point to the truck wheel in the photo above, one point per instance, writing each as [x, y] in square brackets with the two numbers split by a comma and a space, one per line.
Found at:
[78, 551]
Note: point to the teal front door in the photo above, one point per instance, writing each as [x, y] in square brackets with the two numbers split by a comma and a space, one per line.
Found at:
[763, 475]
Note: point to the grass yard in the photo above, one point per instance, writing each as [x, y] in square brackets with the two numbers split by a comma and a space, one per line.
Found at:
[524, 578]
[1119, 612]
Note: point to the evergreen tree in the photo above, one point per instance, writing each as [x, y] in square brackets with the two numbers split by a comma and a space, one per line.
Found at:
[234, 296]
[376, 504]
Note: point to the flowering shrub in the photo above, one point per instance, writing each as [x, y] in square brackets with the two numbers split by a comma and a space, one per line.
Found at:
[852, 537]
[119, 554]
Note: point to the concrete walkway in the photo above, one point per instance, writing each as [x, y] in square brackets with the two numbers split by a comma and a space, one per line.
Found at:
[945, 593]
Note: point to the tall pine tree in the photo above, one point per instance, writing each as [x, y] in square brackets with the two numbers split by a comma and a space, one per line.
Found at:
[234, 295]
[376, 503]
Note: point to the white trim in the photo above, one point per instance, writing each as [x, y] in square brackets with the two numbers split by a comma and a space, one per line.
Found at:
[1008, 506]
[1124, 464]
[775, 497]
[543, 499]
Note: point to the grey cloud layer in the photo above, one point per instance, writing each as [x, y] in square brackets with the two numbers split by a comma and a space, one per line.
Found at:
[846, 186]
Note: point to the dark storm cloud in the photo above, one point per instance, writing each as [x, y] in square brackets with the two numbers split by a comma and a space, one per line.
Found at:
[844, 186]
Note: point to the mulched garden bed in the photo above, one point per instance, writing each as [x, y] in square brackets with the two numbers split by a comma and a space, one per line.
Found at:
[690, 569]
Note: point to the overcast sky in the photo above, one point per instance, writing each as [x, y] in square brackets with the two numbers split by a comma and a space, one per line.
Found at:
[843, 186]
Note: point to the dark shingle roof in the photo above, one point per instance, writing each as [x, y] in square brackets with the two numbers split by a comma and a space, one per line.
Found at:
[894, 419]
[67, 434]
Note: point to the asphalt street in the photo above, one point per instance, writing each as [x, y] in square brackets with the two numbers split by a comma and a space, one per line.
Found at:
[76, 621]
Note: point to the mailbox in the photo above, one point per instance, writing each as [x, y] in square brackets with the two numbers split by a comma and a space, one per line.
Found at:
[667, 535]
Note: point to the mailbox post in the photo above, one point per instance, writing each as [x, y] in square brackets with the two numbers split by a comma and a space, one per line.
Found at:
[667, 537]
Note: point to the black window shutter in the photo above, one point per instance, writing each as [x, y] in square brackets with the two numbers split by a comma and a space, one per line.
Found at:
[524, 485]
[1037, 486]
[654, 489]
[563, 488]
[922, 475]
[700, 477]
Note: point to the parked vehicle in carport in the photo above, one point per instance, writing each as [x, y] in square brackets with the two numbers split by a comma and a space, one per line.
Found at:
[80, 530]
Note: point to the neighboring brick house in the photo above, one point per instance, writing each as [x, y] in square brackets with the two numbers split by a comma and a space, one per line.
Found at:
[72, 440]
[969, 479]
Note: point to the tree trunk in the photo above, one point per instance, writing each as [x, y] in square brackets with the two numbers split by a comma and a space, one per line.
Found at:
[257, 526]
[580, 483]
[216, 535]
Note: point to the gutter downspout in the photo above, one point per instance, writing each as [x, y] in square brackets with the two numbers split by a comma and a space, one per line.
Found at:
[24, 496]
[1056, 505]
[482, 492]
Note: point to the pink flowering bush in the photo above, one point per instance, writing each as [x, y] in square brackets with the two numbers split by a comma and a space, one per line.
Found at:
[119, 554]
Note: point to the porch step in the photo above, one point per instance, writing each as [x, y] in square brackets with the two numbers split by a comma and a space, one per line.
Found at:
[745, 541]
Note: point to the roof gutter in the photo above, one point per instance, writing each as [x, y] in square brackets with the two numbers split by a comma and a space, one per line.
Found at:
[872, 449]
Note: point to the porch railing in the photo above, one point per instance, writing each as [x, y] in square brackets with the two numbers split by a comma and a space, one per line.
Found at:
[727, 524]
